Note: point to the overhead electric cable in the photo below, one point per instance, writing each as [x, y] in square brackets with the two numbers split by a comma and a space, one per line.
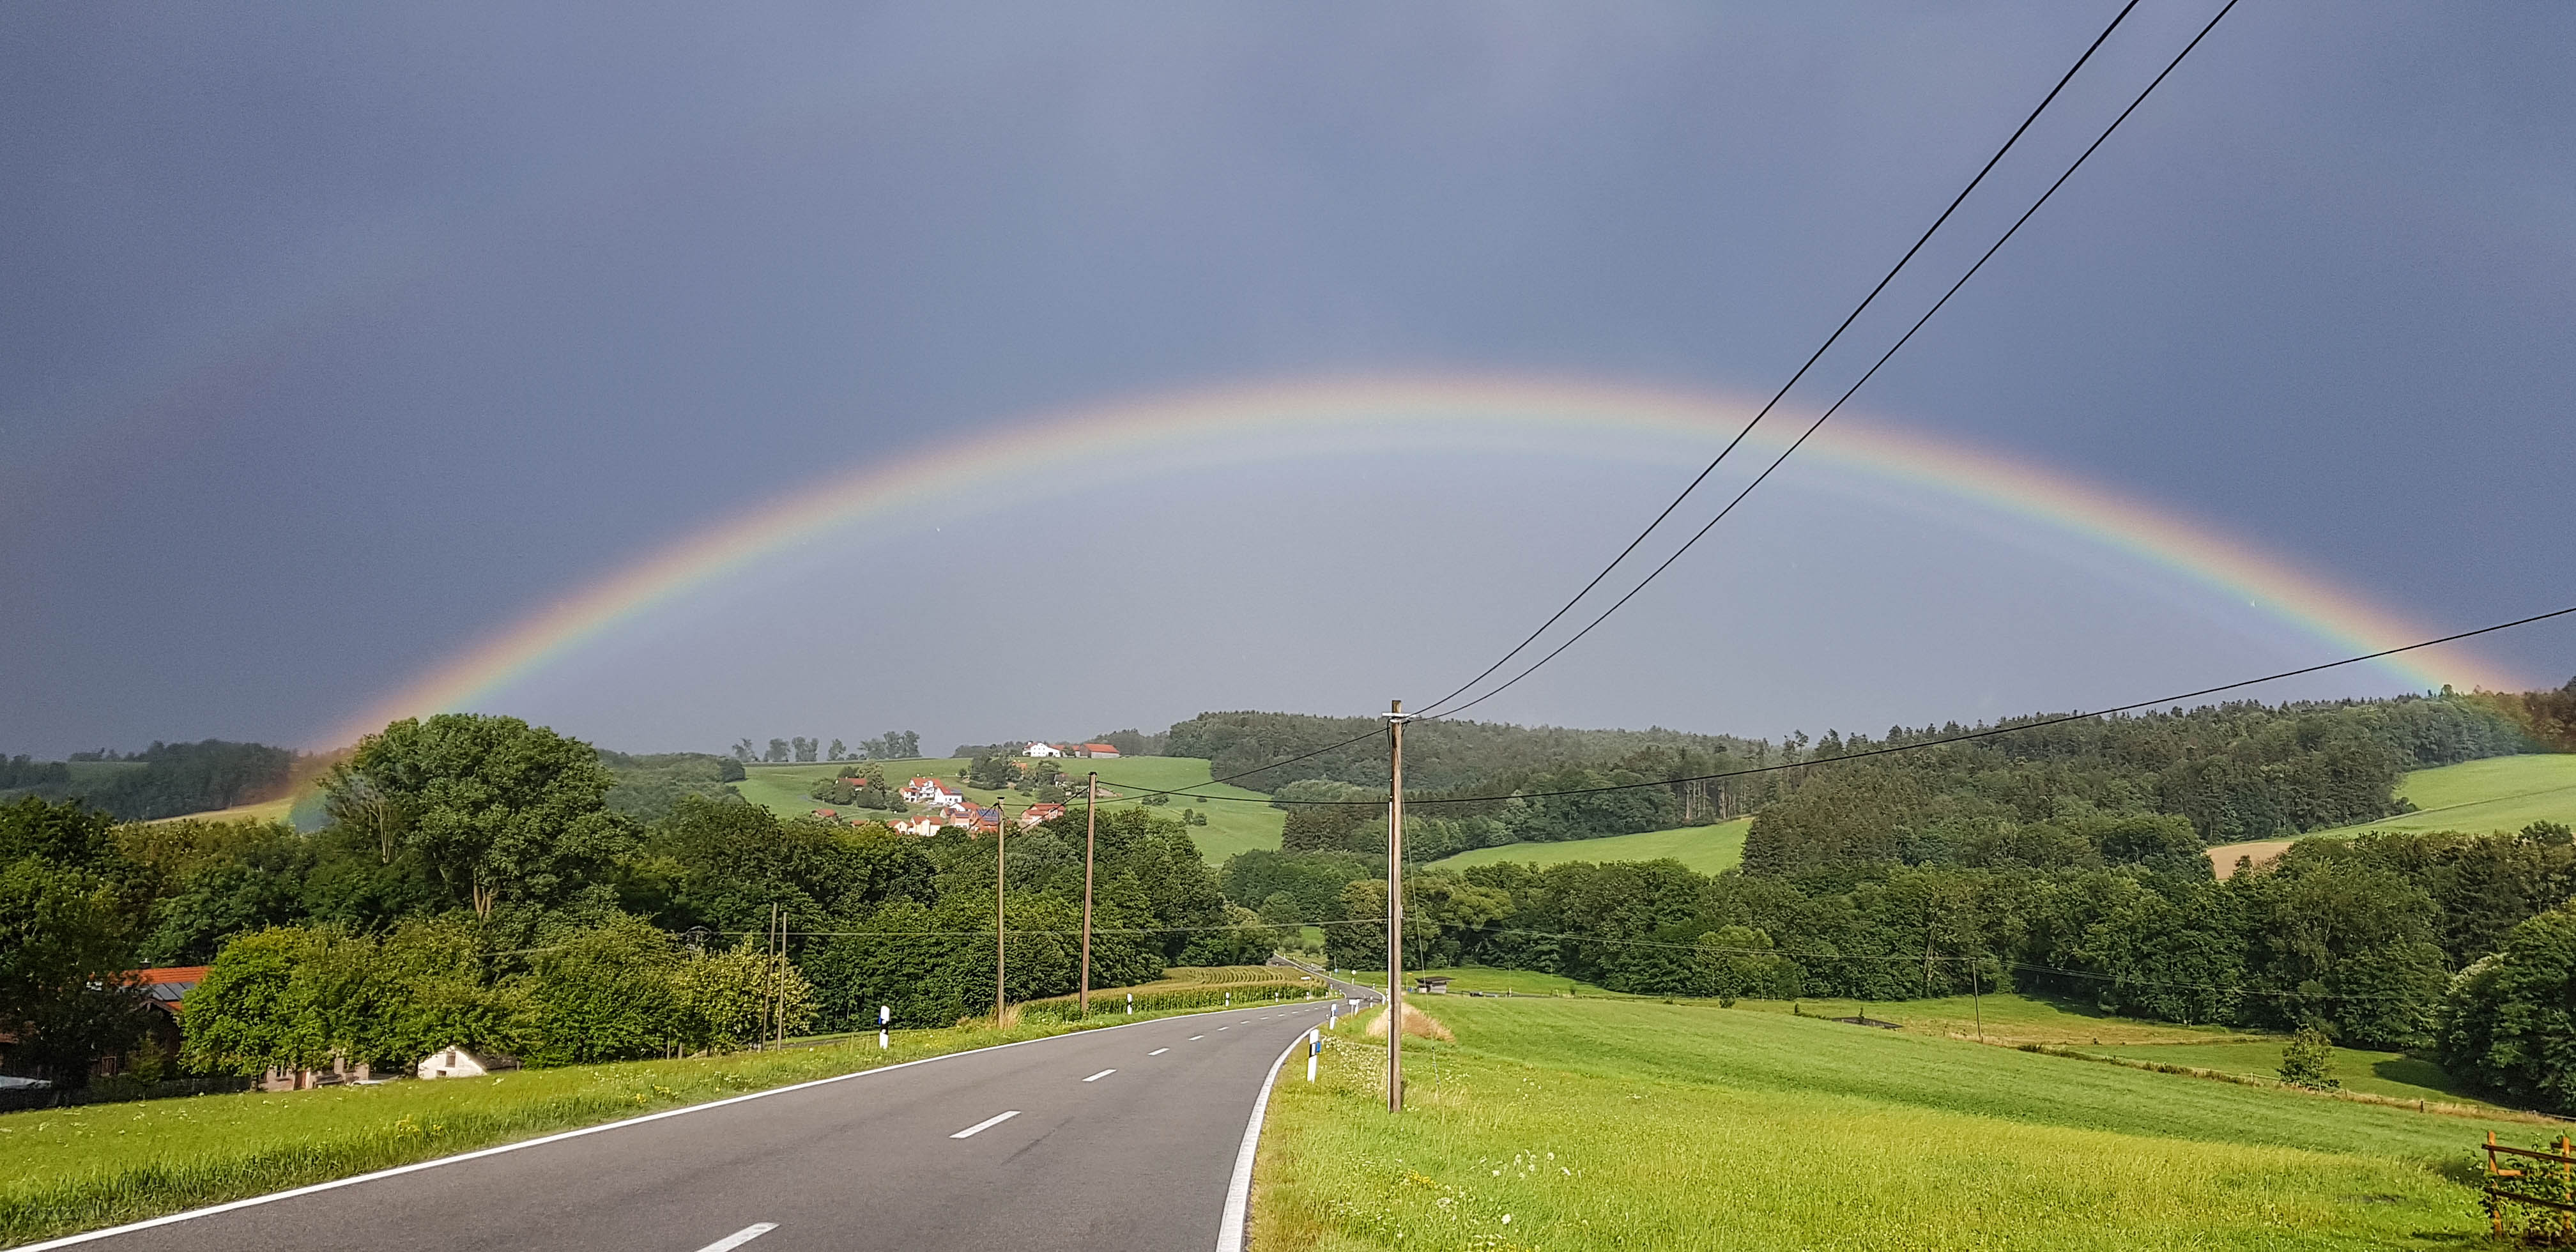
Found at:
[1884, 357]
[1432, 708]
[1893, 749]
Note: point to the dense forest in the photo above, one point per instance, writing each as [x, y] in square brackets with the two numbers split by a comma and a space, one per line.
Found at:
[1438, 755]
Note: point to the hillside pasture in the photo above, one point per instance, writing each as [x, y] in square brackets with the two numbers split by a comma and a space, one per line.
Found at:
[2475, 797]
[1627, 1123]
[1240, 823]
[1706, 849]
[2391, 1074]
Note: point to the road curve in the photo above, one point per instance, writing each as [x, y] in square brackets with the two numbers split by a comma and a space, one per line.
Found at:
[1123, 1138]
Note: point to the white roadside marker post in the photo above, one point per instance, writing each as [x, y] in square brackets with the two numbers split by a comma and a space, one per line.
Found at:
[885, 1015]
[1131, 1004]
[1314, 1048]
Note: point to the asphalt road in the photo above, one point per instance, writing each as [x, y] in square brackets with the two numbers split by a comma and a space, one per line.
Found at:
[1123, 1138]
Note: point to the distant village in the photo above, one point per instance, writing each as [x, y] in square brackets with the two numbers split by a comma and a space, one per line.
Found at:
[947, 808]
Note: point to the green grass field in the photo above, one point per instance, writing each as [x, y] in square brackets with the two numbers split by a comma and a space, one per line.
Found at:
[2499, 793]
[2391, 1074]
[1240, 824]
[1626, 1123]
[1707, 849]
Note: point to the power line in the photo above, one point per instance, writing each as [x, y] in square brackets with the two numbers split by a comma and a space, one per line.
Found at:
[1432, 709]
[1847, 394]
[1991, 732]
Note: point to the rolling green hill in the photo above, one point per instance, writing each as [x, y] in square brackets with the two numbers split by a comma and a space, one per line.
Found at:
[1625, 1123]
[1247, 823]
[1706, 849]
[2498, 793]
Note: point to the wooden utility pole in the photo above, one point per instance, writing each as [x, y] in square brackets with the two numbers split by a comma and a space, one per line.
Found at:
[777, 1029]
[1395, 720]
[1090, 844]
[1001, 837]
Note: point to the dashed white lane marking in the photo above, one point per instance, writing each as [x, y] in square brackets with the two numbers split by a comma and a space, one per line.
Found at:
[1225, 1027]
[740, 1237]
[1158, 1051]
[986, 1124]
[1194, 1038]
[1102, 1074]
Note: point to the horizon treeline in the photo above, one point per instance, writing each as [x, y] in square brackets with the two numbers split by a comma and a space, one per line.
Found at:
[163, 780]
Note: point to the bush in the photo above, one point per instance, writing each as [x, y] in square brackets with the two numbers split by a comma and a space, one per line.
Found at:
[2308, 1061]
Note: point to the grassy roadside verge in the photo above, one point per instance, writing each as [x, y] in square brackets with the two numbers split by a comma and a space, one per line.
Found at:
[67, 1170]
[1626, 1124]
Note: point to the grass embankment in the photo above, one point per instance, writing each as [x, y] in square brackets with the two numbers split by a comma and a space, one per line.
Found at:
[2499, 793]
[1466, 978]
[1628, 1123]
[1707, 849]
[1240, 824]
[1195, 986]
[67, 1170]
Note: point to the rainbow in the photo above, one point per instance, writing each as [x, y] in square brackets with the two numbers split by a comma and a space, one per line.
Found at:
[1477, 414]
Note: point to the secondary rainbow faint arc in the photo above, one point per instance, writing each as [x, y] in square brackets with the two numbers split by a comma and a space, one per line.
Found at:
[1469, 414]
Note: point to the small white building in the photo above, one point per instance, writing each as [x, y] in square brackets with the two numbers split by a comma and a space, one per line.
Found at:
[460, 1063]
[1043, 749]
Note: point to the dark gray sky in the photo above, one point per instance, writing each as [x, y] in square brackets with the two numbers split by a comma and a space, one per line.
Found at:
[335, 339]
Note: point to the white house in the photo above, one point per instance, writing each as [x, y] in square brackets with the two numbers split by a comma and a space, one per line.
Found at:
[932, 792]
[1043, 749]
[459, 1063]
[922, 824]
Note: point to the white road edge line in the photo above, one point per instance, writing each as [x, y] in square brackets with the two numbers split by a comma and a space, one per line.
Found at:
[416, 1166]
[740, 1237]
[1238, 1190]
[1158, 1051]
[986, 1124]
[1102, 1074]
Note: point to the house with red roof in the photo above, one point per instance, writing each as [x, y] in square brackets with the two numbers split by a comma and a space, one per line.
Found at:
[1038, 813]
[1095, 749]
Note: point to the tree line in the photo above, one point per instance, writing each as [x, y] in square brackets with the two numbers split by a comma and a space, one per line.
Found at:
[894, 745]
[163, 780]
[2463, 945]
[473, 885]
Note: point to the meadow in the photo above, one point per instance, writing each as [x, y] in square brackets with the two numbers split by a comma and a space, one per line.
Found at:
[2499, 793]
[1239, 824]
[2391, 1074]
[1706, 849]
[65, 1170]
[1628, 1123]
